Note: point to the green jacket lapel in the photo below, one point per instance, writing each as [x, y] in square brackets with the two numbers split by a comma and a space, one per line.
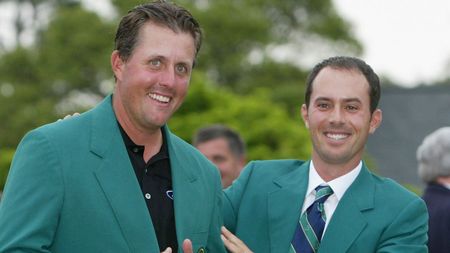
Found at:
[118, 181]
[348, 220]
[186, 189]
[285, 204]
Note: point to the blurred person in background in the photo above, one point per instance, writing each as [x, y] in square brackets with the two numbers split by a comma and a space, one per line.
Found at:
[225, 148]
[433, 157]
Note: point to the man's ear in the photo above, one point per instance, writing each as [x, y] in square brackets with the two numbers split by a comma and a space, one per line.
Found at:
[304, 114]
[375, 120]
[117, 64]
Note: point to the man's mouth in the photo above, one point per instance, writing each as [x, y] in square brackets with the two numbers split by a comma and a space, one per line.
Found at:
[159, 98]
[336, 137]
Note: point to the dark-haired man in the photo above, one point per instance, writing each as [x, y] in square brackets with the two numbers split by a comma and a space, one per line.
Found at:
[224, 147]
[331, 203]
[115, 179]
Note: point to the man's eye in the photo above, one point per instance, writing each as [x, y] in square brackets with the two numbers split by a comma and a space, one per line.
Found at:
[180, 68]
[323, 106]
[352, 108]
[155, 63]
[218, 159]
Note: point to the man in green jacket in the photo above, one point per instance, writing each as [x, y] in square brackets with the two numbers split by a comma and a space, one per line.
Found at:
[274, 207]
[115, 179]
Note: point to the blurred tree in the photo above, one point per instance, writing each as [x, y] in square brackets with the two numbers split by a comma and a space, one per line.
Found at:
[267, 128]
[67, 69]
[76, 50]
[23, 100]
[71, 57]
[244, 41]
[31, 15]
[5, 161]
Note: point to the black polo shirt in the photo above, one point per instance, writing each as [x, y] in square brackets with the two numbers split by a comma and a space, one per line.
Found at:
[155, 179]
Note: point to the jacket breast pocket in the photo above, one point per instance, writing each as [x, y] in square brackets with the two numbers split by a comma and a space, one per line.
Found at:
[199, 241]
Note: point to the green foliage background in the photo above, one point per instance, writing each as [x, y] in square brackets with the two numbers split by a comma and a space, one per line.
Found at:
[269, 131]
[238, 81]
[5, 161]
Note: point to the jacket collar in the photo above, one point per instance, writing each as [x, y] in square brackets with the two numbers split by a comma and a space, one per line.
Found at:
[348, 220]
[291, 188]
[284, 205]
[118, 182]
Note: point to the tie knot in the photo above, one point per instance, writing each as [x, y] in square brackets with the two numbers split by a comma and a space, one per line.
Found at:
[322, 193]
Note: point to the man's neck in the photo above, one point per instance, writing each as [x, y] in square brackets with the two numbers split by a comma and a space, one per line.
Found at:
[330, 171]
[151, 139]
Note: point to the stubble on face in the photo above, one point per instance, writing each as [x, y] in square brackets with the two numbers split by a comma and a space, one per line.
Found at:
[339, 120]
[152, 84]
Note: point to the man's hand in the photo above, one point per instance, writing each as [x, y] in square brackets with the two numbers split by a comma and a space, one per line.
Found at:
[187, 247]
[232, 243]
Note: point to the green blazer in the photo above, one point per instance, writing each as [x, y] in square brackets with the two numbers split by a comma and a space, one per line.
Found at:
[72, 189]
[262, 207]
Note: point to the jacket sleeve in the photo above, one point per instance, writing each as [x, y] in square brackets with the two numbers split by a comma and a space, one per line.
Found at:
[215, 243]
[232, 197]
[32, 198]
[408, 231]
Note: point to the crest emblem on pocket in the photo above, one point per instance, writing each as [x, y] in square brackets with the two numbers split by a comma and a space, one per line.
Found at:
[169, 194]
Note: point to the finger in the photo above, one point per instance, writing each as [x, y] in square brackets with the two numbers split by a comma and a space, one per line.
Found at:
[68, 116]
[187, 246]
[226, 232]
[232, 242]
[229, 240]
[228, 244]
[230, 236]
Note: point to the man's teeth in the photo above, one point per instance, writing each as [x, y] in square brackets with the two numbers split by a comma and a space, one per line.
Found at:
[160, 98]
[337, 136]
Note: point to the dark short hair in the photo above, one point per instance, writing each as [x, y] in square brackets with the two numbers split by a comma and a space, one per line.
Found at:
[161, 13]
[212, 132]
[348, 63]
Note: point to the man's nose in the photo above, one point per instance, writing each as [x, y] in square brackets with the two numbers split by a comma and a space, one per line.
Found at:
[336, 115]
[167, 77]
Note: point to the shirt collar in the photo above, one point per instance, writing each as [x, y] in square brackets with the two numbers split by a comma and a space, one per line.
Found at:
[163, 152]
[338, 185]
[446, 185]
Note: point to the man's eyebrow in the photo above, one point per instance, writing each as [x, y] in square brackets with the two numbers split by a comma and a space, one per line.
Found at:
[322, 99]
[352, 100]
[346, 99]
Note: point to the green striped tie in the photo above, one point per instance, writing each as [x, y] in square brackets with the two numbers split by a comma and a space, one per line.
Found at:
[311, 224]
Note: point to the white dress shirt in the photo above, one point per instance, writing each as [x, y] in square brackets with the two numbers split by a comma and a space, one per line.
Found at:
[338, 185]
[447, 185]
